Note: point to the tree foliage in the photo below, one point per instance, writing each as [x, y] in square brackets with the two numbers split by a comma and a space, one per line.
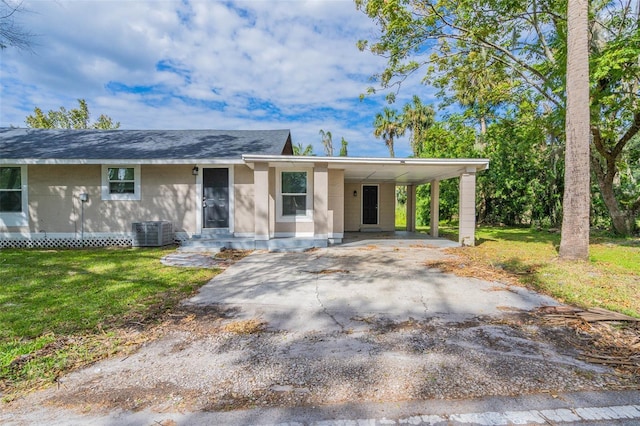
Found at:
[344, 148]
[299, 149]
[75, 118]
[417, 118]
[489, 56]
[388, 125]
[11, 32]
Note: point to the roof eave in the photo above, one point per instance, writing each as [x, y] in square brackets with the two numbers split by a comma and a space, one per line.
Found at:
[71, 161]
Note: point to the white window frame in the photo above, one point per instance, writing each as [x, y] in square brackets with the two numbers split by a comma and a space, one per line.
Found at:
[18, 218]
[107, 196]
[308, 216]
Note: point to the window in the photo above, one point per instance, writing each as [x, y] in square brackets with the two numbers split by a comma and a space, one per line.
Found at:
[13, 196]
[295, 190]
[10, 189]
[121, 182]
[294, 193]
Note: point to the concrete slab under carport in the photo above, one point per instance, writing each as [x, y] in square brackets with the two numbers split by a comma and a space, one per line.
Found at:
[395, 239]
[347, 287]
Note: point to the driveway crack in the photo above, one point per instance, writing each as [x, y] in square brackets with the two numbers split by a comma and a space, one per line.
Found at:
[424, 303]
[324, 308]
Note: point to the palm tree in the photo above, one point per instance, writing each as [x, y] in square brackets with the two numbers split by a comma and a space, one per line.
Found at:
[388, 125]
[344, 147]
[327, 142]
[574, 242]
[417, 117]
[299, 149]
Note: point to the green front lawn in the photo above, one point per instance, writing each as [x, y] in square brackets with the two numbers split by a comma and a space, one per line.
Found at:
[610, 279]
[63, 308]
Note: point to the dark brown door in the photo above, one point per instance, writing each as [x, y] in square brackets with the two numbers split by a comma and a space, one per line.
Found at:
[215, 198]
[370, 205]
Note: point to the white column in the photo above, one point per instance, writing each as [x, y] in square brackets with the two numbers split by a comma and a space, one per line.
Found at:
[321, 201]
[435, 208]
[467, 208]
[411, 208]
[261, 197]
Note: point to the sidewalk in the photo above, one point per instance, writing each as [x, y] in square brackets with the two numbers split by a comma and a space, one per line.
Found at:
[585, 408]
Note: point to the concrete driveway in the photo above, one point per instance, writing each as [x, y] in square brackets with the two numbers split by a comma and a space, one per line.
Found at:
[346, 287]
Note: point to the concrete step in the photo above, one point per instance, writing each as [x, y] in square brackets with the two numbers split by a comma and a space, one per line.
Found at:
[276, 244]
[215, 244]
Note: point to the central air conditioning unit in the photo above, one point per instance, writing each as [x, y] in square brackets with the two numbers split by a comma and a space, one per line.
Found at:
[152, 234]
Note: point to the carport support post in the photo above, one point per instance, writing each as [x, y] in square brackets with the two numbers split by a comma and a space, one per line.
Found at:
[411, 208]
[467, 207]
[435, 208]
[321, 204]
[261, 197]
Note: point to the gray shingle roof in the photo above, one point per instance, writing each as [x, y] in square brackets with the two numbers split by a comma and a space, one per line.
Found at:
[49, 144]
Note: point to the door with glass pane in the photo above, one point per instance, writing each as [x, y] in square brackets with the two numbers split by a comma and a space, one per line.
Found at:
[215, 198]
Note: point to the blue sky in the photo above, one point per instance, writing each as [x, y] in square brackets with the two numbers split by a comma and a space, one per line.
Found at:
[204, 65]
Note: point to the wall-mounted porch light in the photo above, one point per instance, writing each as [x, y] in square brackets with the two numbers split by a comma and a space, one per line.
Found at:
[195, 170]
[355, 193]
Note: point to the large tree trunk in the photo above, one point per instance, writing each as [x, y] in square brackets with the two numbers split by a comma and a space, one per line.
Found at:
[623, 221]
[605, 167]
[574, 243]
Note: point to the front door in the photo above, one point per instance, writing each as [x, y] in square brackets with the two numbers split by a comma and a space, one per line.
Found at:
[370, 204]
[215, 198]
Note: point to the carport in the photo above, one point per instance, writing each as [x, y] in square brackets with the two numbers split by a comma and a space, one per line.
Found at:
[342, 186]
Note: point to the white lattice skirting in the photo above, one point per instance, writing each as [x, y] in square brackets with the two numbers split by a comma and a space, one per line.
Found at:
[73, 241]
[66, 242]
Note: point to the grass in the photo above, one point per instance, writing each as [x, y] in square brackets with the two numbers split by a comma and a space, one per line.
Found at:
[60, 309]
[63, 308]
[610, 279]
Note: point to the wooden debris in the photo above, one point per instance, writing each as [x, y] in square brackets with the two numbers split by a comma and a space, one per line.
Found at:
[589, 315]
[602, 336]
[599, 314]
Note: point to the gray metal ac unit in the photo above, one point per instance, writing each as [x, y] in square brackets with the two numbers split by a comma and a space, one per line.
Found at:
[152, 234]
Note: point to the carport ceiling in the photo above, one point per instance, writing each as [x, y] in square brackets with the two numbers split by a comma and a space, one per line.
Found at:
[401, 174]
[401, 171]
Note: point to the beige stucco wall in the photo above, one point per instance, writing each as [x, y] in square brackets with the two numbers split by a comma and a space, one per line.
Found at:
[387, 207]
[53, 190]
[353, 207]
[167, 193]
[244, 209]
[272, 202]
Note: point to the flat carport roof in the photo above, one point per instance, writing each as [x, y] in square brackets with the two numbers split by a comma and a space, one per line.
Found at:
[403, 171]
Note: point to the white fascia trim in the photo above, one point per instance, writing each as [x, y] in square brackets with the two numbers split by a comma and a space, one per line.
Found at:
[112, 161]
[480, 163]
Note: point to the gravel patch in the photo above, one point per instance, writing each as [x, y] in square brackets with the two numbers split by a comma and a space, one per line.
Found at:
[194, 366]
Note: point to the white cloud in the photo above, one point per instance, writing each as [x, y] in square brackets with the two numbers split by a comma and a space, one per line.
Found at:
[202, 64]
